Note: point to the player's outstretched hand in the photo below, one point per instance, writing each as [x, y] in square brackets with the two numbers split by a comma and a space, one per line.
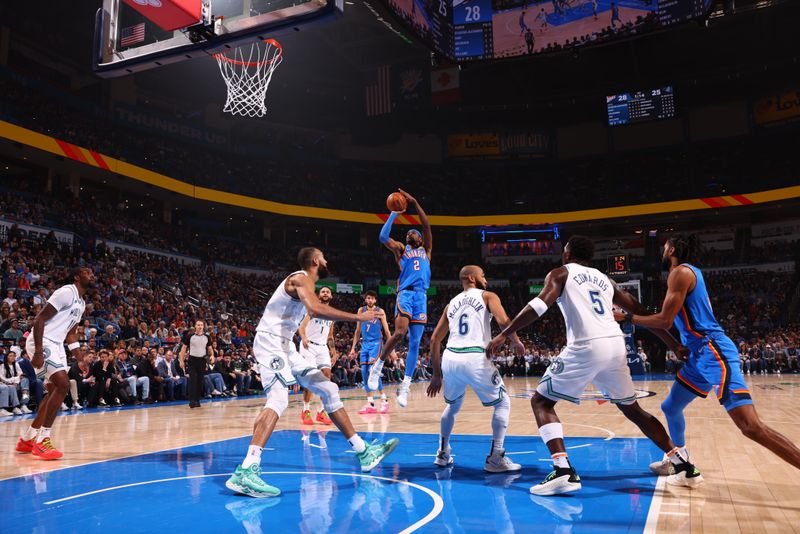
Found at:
[619, 316]
[369, 315]
[435, 385]
[38, 359]
[408, 196]
[517, 348]
[682, 353]
[495, 344]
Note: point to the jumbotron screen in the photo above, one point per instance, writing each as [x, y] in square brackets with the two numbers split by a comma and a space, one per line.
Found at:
[465, 30]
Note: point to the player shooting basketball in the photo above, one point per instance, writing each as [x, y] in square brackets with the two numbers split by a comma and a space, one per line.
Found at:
[412, 294]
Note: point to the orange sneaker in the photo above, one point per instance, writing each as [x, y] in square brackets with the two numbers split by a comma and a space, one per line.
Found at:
[25, 445]
[45, 450]
[306, 417]
[323, 418]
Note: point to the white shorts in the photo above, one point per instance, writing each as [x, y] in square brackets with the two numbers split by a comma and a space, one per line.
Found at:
[473, 370]
[317, 355]
[278, 360]
[55, 357]
[601, 361]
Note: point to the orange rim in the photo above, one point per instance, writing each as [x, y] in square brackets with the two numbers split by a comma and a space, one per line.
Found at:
[277, 56]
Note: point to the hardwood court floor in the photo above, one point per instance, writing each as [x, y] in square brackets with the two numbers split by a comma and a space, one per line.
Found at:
[747, 488]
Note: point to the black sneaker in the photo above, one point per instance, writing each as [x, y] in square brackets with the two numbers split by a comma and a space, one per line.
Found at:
[686, 475]
[560, 480]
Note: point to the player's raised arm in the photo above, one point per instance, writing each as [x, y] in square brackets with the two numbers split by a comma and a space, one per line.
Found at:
[305, 292]
[437, 337]
[427, 233]
[627, 302]
[679, 283]
[553, 286]
[496, 308]
[396, 247]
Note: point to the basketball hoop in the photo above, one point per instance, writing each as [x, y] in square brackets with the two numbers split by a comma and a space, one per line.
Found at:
[247, 74]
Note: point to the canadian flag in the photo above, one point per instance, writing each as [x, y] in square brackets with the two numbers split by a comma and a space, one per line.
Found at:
[445, 86]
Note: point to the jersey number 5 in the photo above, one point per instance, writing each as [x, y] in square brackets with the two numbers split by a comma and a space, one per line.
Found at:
[598, 304]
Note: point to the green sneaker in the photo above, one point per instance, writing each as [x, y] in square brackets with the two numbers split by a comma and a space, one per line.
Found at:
[248, 482]
[373, 454]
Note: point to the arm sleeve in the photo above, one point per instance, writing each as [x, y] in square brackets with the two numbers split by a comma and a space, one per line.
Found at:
[387, 227]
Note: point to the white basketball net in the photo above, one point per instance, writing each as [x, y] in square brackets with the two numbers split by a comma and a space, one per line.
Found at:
[247, 73]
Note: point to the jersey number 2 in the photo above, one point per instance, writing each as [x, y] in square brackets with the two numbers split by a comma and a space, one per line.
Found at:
[598, 304]
[416, 265]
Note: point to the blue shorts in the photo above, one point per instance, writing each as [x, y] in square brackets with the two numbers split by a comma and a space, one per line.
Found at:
[412, 304]
[365, 375]
[714, 365]
[370, 350]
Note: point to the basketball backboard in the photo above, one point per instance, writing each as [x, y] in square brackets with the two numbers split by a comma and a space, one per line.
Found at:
[127, 41]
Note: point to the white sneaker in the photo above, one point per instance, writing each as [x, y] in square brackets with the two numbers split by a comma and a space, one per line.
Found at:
[443, 458]
[215, 393]
[402, 394]
[17, 411]
[25, 399]
[102, 402]
[5, 413]
[25, 409]
[375, 375]
[497, 462]
[560, 480]
[64, 407]
[663, 468]
[686, 475]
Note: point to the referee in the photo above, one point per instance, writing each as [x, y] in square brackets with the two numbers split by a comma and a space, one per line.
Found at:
[199, 346]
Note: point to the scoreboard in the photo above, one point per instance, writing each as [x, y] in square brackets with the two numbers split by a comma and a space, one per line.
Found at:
[472, 29]
[641, 106]
[617, 264]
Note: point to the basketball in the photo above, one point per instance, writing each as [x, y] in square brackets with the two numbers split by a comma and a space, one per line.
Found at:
[396, 202]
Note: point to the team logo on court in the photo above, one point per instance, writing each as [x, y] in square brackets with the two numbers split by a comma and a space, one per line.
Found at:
[556, 367]
[496, 378]
[151, 3]
[276, 364]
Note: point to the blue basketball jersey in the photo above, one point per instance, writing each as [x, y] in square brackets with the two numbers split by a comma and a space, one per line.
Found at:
[371, 331]
[696, 320]
[415, 270]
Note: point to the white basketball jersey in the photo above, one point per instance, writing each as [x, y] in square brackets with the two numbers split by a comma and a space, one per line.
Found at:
[283, 314]
[586, 304]
[318, 330]
[70, 306]
[470, 322]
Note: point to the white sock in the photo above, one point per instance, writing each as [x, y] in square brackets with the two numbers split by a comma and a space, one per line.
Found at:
[560, 459]
[371, 400]
[377, 367]
[306, 406]
[43, 434]
[358, 444]
[678, 455]
[406, 380]
[502, 412]
[253, 456]
[30, 433]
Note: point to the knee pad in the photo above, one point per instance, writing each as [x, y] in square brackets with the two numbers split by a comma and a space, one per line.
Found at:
[316, 382]
[277, 400]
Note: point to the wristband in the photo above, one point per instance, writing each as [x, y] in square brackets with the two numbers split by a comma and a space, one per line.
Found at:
[538, 306]
[73, 346]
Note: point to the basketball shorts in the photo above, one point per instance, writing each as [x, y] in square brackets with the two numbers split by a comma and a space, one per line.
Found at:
[474, 370]
[713, 365]
[413, 304]
[317, 355]
[370, 351]
[601, 361]
[278, 361]
[55, 357]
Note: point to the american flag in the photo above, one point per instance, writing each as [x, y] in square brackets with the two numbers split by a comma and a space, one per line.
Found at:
[379, 94]
[132, 35]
